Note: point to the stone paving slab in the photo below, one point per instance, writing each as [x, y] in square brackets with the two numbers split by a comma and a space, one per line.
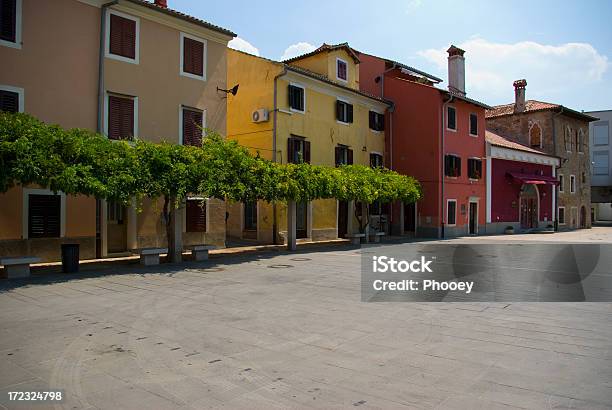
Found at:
[247, 331]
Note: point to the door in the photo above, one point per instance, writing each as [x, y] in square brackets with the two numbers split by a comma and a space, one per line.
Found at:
[342, 219]
[301, 222]
[410, 217]
[473, 223]
[529, 207]
[116, 227]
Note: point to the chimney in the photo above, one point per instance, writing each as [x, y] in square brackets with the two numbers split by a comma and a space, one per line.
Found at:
[519, 95]
[456, 70]
[162, 3]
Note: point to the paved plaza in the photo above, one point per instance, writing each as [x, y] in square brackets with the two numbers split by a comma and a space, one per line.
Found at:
[288, 330]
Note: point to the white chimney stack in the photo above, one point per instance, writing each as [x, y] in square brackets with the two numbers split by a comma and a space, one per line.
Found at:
[456, 70]
[519, 95]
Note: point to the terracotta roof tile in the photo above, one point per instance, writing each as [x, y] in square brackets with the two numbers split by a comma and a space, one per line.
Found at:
[327, 47]
[498, 140]
[530, 106]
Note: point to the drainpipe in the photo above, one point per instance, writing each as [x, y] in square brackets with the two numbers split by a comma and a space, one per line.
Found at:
[274, 224]
[391, 109]
[100, 125]
[443, 129]
[561, 162]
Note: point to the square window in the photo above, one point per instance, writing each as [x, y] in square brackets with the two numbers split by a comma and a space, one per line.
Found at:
[8, 20]
[123, 36]
[193, 57]
[44, 216]
[474, 168]
[298, 150]
[9, 101]
[343, 155]
[377, 121]
[601, 132]
[601, 163]
[451, 118]
[341, 70]
[344, 112]
[120, 117]
[376, 160]
[452, 165]
[192, 125]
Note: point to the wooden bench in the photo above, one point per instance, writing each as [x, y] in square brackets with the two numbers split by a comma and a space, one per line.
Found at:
[150, 256]
[18, 267]
[356, 238]
[200, 252]
[377, 236]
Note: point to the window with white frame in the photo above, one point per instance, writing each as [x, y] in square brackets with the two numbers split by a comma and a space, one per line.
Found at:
[122, 116]
[561, 215]
[193, 57]
[341, 69]
[601, 163]
[451, 212]
[122, 37]
[192, 125]
[10, 23]
[572, 184]
[297, 98]
[561, 183]
[11, 99]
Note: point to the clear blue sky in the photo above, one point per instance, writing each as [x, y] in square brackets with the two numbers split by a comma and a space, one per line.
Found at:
[562, 48]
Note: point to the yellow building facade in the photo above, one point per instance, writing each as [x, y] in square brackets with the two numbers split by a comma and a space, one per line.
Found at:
[309, 109]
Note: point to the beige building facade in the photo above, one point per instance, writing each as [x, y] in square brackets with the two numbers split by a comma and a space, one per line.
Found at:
[126, 69]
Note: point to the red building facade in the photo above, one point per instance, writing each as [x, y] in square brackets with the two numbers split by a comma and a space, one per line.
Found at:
[520, 185]
[437, 136]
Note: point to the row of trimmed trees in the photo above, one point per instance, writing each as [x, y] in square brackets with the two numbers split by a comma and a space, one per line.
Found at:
[78, 161]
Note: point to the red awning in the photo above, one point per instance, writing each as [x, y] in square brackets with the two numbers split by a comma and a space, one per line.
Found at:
[534, 179]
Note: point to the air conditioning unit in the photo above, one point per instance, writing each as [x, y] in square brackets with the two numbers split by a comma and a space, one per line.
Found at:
[260, 115]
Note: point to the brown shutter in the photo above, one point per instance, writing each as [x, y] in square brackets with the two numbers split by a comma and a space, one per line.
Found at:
[349, 110]
[120, 117]
[290, 151]
[127, 118]
[196, 216]
[8, 20]
[349, 157]
[192, 127]
[339, 111]
[44, 216]
[193, 56]
[9, 101]
[458, 162]
[307, 152]
[338, 154]
[122, 36]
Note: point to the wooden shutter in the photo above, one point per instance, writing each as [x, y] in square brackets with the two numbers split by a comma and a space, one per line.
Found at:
[44, 217]
[122, 36]
[307, 152]
[196, 216]
[458, 166]
[349, 110]
[8, 20]
[338, 155]
[372, 120]
[291, 95]
[9, 101]
[339, 113]
[290, 151]
[349, 156]
[192, 127]
[193, 56]
[120, 117]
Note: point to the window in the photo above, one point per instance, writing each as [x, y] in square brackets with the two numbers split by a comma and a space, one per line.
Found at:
[44, 216]
[10, 23]
[11, 99]
[474, 168]
[344, 111]
[583, 178]
[296, 98]
[561, 215]
[473, 124]
[561, 183]
[572, 184]
[191, 127]
[121, 121]
[341, 69]
[568, 140]
[377, 121]
[115, 213]
[601, 133]
[451, 212]
[580, 141]
[344, 155]
[250, 216]
[451, 118]
[535, 136]
[193, 57]
[376, 160]
[195, 215]
[601, 163]
[123, 37]
[298, 150]
[452, 165]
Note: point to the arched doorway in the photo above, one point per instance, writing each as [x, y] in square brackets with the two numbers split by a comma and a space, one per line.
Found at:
[583, 215]
[529, 206]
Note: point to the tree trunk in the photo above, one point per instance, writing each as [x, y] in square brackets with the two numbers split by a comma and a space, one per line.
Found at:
[364, 219]
[170, 220]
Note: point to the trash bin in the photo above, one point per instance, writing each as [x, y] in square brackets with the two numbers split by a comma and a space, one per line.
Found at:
[70, 257]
